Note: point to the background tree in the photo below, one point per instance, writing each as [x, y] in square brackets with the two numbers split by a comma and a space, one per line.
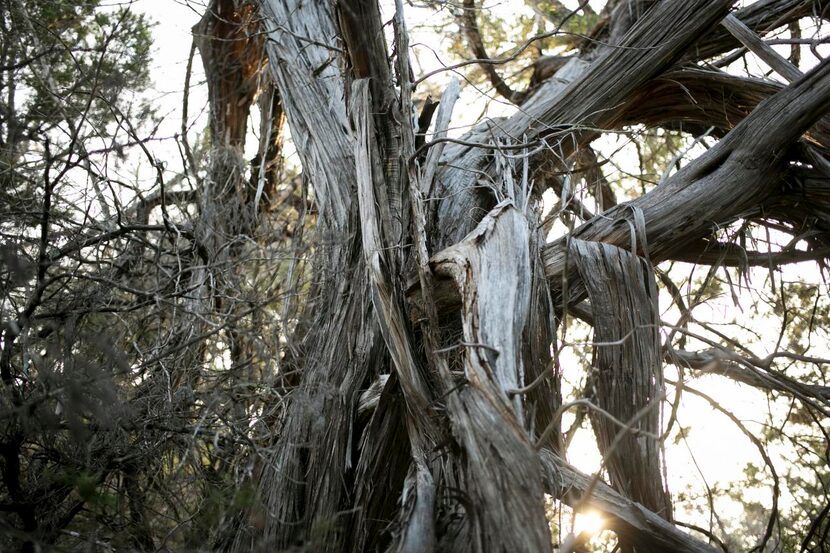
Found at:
[117, 305]
[65, 68]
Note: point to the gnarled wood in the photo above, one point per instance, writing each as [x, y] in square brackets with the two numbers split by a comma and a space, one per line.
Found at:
[492, 271]
[367, 181]
[627, 376]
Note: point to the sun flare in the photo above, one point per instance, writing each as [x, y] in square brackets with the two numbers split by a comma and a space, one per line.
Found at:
[588, 522]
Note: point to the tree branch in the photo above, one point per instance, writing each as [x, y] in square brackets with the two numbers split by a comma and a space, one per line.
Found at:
[628, 519]
[469, 24]
[750, 158]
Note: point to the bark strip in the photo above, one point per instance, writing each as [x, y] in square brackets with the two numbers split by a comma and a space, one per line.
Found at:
[627, 375]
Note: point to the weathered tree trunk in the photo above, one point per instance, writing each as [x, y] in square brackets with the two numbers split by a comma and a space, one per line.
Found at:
[446, 312]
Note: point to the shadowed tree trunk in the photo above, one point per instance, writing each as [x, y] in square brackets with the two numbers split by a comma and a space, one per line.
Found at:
[425, 415]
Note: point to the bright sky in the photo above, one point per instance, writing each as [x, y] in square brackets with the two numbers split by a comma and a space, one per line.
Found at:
[172, 40]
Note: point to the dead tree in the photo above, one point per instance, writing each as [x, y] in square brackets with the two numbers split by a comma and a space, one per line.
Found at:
[425, 410]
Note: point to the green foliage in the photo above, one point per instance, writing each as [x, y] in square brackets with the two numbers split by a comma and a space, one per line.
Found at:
[502, 36]
[807, 311]
[73, 60]
[69, 74]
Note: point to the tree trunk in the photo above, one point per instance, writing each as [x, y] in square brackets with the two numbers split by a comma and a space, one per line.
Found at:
[426, 407]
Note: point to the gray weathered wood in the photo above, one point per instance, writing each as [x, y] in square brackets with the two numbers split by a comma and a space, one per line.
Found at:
[627, 376]
[491, 269]
[757, 46]
[743, 168]
[419, 493]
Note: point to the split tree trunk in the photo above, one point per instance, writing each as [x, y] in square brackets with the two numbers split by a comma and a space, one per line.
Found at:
[447, 311]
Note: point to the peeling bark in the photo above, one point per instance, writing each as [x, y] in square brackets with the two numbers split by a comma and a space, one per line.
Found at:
[491, 268]
[627, 376]
[416, 415]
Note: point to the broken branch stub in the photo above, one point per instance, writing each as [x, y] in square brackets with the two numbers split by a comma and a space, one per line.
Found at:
[491, 269]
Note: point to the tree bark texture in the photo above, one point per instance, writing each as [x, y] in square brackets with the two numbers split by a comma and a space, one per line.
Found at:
[426, 406]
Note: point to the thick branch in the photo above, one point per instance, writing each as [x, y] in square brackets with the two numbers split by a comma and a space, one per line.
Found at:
[761, 17]
[581, 97]
[233, 57]
[648, 531]
[420, 533]
[312, 91]
[749, 159]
